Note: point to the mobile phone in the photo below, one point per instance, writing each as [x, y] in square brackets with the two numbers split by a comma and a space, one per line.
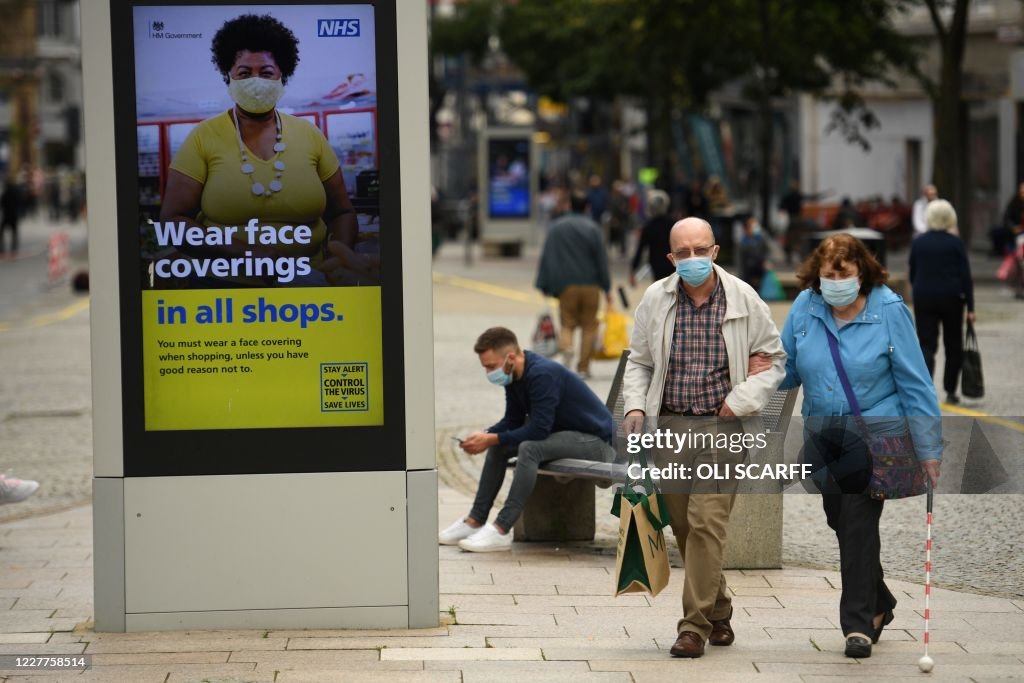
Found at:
[455, 438]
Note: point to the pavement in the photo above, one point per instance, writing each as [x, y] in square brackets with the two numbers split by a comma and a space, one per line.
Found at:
[542, 612]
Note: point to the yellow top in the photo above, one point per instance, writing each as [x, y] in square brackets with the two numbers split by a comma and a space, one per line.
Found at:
[210, 155]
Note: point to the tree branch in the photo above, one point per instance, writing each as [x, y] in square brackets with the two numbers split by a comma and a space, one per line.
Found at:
[940, 29]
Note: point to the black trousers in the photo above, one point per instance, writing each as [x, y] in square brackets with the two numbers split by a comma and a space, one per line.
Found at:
[930, 313]
[842, 471]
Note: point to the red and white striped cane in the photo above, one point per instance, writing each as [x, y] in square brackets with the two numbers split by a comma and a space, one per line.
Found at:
[926, 663]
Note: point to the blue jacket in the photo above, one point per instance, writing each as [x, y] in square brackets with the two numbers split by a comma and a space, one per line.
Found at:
[883, 361]
[555, 400]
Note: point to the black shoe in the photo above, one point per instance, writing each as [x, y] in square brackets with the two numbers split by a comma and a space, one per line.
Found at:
[857, 647]
[952, 399]
[886, 620]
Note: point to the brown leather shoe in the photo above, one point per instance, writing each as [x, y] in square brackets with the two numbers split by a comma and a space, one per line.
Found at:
[721, 631]
[688, 644]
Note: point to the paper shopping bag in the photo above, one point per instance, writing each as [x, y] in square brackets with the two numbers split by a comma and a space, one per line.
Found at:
[641, 562]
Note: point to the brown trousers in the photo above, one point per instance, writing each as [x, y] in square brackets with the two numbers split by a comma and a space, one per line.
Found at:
[699, 523]
[578, 306]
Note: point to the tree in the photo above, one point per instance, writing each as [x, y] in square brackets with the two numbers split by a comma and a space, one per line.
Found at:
[674, 53]
[950, 173]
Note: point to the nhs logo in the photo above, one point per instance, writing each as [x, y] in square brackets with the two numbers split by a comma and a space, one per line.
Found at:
[337, 28]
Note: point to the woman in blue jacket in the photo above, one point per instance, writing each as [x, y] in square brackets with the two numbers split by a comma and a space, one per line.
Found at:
[845, 295]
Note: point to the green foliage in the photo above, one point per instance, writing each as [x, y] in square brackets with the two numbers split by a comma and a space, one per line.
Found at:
[467, 32]
[682, 50]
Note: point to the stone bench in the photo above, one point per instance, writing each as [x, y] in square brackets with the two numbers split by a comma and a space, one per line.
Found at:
[562, 506]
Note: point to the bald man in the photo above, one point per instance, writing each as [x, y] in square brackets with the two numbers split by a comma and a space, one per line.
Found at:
[688, 367]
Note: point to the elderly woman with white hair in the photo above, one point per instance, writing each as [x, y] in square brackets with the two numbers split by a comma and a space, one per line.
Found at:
[940, 277]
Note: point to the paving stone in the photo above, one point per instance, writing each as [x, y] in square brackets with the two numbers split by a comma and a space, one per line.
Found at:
[373, 642]
[461, 653]
[21, 638]
[280, 660]
[42, 648]
[598, 643]
[161, 658]
[169, 643]
[480, 603]
[384, 676]
[505, 618]
[544, 677]
[820, 636]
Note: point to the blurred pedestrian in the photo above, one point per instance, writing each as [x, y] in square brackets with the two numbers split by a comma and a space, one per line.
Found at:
[847, 216]
[928, 193]
[574, 268]
[1005, 235]
[718, 206]
[654, 239]
[753, 253]
[16, 490]
[620, 215]
[940, 276]
[597, 195]
[11, 206]
[695, 202]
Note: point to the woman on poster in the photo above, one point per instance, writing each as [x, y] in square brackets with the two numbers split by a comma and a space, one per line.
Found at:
[254, 161]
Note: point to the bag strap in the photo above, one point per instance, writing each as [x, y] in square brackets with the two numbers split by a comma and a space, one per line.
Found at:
[970, 339]
[833, 346]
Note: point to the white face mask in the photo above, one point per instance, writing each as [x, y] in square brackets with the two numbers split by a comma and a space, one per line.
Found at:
[256, 95]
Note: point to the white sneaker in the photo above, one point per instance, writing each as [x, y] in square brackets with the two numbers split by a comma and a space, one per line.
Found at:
[16, 490]
[487, 539]
[456, 532]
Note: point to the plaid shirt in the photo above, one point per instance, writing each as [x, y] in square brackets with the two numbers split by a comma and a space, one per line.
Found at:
[698, 366]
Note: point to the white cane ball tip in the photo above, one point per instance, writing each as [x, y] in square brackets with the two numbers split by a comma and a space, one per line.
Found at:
[926, 664]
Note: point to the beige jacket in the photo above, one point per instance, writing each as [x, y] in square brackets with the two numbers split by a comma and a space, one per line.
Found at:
[747, 328]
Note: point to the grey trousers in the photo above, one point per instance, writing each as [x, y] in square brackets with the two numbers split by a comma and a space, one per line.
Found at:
[529, 455]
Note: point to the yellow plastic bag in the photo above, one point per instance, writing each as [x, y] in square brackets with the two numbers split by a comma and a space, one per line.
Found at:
[615, 338]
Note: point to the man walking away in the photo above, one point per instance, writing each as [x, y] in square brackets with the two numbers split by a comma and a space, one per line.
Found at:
[574, 268]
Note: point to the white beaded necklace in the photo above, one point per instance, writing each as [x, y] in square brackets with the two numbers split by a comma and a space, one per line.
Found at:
[247, 167]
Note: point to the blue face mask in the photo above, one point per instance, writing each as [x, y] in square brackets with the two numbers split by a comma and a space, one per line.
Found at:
[499, 377]
[840, 292]
[695, 271]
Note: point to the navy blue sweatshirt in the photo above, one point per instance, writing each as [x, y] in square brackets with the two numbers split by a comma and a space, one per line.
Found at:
[555, 400]
[939, 268]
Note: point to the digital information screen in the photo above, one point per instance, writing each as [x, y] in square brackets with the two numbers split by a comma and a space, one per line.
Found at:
[508, 181]
[258, 236]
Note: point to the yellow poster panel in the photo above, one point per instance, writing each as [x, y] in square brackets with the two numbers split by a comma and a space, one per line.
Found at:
[262, 358]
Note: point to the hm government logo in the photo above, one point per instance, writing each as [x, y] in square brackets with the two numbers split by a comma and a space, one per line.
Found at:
[337, 28]
[157, 30]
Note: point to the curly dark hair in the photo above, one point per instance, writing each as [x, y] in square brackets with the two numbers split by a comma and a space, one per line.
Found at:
[835, 251]
[255, 33]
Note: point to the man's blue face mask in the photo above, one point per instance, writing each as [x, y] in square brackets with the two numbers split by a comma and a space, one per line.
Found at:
[498, 376]
[695, 271]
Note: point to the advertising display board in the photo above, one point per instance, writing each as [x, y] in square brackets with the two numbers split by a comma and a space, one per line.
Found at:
[259, 232]
[508, 180]
[507, 171]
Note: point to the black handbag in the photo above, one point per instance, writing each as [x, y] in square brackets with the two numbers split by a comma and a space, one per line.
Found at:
[972, 380]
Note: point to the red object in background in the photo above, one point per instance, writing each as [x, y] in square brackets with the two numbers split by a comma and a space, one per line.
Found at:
[58, 248]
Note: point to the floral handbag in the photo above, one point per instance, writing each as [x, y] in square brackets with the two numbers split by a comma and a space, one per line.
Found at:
[895, 471]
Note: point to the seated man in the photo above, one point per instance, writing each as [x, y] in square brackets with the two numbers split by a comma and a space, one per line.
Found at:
[549, 414]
